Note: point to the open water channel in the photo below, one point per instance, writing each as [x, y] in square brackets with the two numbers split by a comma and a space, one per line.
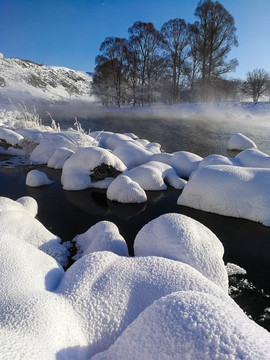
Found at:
[68, 213]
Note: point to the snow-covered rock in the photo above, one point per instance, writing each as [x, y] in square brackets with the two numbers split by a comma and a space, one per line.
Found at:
[185, 162]
[108, 292]
[77, 169]
[124, 190]
[153, 175]
[30, 204]
[218, 160]
[59, 157]
[104, 236]
[239, 141]
[230, 191]
[253, 158]
[11, 137]
[190, 325]
[181, 238]
[233, 269]
[17, 222]
[36, 178]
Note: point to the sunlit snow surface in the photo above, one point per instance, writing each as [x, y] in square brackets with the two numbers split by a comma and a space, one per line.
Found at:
[107, 306]
[168, 302]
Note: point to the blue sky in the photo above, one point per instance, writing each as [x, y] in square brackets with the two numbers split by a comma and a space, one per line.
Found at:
[69, 32]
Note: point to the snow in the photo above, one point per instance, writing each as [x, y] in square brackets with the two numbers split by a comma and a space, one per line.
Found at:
[181, 238]
[124, 190]
[153, 174]
[104, 236]
[17, 222]
[10, 136]
[190, 325]
[36, 178]
[233, 269]
[231, 191]
[77, 169]
[254, 158]
[59, 157]
[170, 300]
[239, 141]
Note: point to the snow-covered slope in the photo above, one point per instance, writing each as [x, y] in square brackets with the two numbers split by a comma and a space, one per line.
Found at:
[21, 79]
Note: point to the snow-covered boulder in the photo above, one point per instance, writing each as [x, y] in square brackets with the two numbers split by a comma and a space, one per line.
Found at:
[185, 163]
[230, 191]
[108, 292]
[153, 174]
[36, 178]
[125, 190]
[132, 153]
[218, 160]
[104, 236]
[253, 158]
[59, 157]
[51, 141]
[17, 221]
[30, 204]
[239, 141]
[181, 238]
[78, 168]
[9, 136]
[190, 325]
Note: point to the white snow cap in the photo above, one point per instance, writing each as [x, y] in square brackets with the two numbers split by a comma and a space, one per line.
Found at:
[179, 237]
[125, 190]
[190, 325]
[104, 236]
[17, 221]
[77, 169]
[151, 176]
[230, 191]
[10, 136]
[254, 158]
[30, 204]
[239, 141]
[36, 178]
[59, 157]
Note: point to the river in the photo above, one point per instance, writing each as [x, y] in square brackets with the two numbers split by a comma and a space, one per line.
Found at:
[68, 213]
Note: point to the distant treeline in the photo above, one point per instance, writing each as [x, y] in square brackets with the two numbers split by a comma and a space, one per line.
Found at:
[180, 62]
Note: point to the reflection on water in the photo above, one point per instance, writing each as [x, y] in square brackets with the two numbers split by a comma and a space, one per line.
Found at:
[68, 213]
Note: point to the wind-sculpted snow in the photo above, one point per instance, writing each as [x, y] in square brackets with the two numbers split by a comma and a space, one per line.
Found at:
[230, 190]
[107, 306]
[187, 241]
[239, 141]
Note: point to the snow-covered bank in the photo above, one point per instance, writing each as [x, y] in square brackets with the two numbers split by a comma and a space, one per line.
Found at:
[105, 301]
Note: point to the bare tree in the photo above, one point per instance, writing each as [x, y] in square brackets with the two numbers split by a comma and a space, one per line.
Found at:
[214, 36]
[145, 40]
[256, 84]
[111, 69]
[175, 38]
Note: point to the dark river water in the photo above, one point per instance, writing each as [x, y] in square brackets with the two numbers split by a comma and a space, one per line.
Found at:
[68, 213]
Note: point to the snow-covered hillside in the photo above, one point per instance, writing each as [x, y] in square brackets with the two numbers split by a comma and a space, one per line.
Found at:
[23, 79]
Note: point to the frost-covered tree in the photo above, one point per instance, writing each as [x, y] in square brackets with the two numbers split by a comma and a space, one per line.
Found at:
[213, 36]
[257, 83]
[175, 39]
